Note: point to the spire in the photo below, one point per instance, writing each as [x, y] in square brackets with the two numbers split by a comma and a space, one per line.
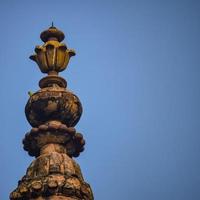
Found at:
[53, 111]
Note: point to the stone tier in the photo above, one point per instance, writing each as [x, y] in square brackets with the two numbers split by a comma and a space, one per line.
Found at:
[53, 103]
[53, 174]
[54, 132]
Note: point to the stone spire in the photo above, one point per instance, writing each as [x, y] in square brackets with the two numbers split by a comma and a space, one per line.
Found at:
[53, 111]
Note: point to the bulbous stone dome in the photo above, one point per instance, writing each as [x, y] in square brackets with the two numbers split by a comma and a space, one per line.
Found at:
[53, 103]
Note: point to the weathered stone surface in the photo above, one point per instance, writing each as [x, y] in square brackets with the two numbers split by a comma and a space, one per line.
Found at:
[56, 133]
[51, 174]
[53, 103]
[53, 112]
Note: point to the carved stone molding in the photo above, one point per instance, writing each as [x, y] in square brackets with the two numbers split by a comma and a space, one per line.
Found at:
[56, 133]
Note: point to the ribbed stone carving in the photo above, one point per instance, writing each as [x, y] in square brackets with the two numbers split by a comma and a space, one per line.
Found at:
[53, 55]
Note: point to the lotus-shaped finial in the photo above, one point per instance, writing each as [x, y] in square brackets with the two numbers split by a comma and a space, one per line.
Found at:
[52, 56]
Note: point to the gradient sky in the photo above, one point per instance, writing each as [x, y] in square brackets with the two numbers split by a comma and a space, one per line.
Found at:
[136, 72]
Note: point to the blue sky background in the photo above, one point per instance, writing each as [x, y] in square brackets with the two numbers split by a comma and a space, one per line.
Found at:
[136, 72]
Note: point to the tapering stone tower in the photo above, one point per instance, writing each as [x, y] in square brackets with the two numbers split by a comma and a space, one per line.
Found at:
[53, 111]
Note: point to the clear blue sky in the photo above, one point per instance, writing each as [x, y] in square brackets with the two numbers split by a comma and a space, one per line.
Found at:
[136, 72]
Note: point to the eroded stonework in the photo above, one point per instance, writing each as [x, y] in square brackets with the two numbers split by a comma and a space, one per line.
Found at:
[53, 111]
[53, 103]
[53, 174]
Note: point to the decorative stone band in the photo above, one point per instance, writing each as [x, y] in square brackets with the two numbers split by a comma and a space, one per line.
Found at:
[71, 142]
[51, 80]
